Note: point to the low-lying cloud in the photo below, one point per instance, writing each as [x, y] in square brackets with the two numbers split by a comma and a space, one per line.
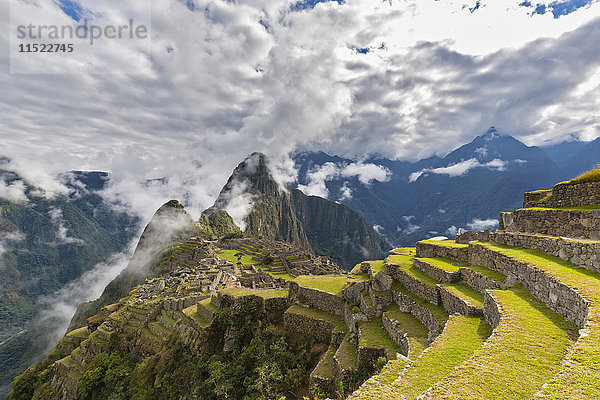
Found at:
[462, 168]
[482, 224]
[318, 177]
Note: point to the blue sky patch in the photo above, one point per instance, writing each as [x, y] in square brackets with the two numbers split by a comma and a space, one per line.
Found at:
[71, 8]
[557, 8]
[310, 4]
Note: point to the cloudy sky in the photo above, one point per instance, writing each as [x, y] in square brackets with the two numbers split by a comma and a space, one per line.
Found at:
[405, 79]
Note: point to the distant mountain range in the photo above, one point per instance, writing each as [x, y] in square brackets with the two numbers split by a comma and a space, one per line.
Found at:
[436, 196]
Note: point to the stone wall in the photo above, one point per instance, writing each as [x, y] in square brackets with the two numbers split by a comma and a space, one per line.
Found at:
[394, 329]
[406, 304]
[429, 293]
[470, 236]
[491, 310]
[556, 295]
[430, 250]
[565, 195]
[436, 273]
[345, 377]
[456, 305]
[476, 280]
[352, 292]
[582, 253]
[367, 357]
[316, 298]
[573, 224]
[318, 329]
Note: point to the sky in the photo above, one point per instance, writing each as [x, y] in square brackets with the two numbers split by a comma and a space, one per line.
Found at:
[221, 79]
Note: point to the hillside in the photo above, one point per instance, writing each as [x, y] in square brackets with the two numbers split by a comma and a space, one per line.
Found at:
[44, 245]
[275, 212]
[253, 318]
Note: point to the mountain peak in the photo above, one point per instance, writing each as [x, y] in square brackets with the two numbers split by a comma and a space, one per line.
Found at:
[491, 133]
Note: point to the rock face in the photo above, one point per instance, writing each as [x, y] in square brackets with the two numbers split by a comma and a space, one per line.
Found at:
[169, 221]
[284, 214]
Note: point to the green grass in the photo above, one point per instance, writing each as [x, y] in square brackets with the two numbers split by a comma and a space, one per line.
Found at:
[406, 265]
[438, 311]
[446, 243]
[390, 372]
[468, 294]
[328, 283]
[229, 255]
[580, 378]
[488, 273]
[525, 351]
[324, 368]
[193, 314]
[461, 337]
[208, 305]
[79, 333]
[589, 176]
[377, 266]
[264, 293]
[576, 208]
[404, 251]
[347, 354]
[414, 329]
[337, 320]
[445, 264]
[373, 335]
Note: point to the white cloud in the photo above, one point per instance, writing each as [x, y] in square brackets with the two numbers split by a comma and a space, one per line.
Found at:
[346, 192]
[460, 168]
[13, 191]
[320, 175]
[247, 76]
[378, 228]
[62, 236]
[481, 224]
[452, 231]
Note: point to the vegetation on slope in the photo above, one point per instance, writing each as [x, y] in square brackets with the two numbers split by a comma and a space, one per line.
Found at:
[589, 176]
[525, 351]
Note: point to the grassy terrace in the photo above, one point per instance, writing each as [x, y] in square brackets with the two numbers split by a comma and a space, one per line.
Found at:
[264, 293]
[337, 320]
[488, 273]
[405, 264]
[446, 243]
[460, 338]
[438, 311]
[373, 335]
[328, 283]
[525, 351]
[576, 208]
[347, 354]
[404, 251]
[79, 333]
[466, 293]
[208, 305]
[324, 368]
[580, 377]
[589, 176]
[376, 266]
[193, 314]
[445, 264]
[414, 329]
[229, 255]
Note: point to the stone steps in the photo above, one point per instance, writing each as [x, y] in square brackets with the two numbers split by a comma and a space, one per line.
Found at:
[461, 299]
[481, 278]
[525, 350]
[158, 330]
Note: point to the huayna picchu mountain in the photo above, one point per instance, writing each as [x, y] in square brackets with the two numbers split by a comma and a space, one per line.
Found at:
[513, 314]
[281, 213]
